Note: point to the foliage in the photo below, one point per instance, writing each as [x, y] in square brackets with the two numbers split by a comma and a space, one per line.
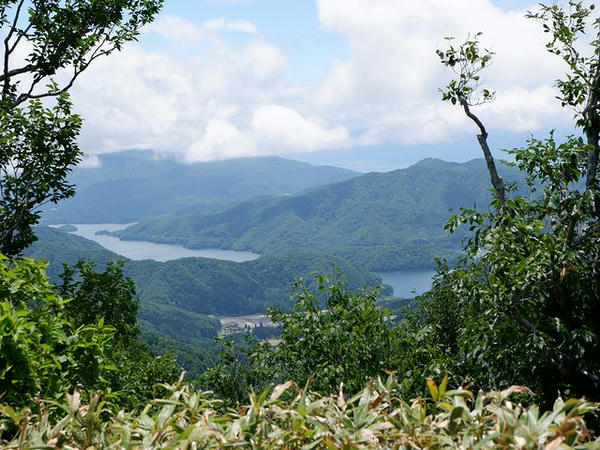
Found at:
[290, 417]
[48, 347]
[43, 39]
[566, 26]
[193, 358]
[67, 36]
[176, 295]
[330, 336]
[111, 296]
[467, 61]
[107, 294]
[41, 351]
[239, 369]
[347, 339]
[580, 90]
[38, 146]
[181, 324]
[521, 304]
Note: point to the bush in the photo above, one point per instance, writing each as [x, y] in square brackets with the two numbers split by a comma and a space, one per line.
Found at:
[290, 417]
[49, 347]
[522, 305]
[330, 336]
[41, 352]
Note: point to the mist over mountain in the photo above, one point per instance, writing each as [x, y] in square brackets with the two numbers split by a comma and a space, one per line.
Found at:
[128, 186]
[381, 221]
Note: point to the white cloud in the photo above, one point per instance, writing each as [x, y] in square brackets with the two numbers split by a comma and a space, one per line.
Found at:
[272, 129]
[221, 140]
[141, 99]
[209, 97]
[263, 59]
[90, 162]
[176, 28]
[244, 26]
[279, 125]
[390, 80]
[225, 2]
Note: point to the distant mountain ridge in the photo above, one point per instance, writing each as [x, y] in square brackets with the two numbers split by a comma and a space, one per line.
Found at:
[380, 221]
[129, 186]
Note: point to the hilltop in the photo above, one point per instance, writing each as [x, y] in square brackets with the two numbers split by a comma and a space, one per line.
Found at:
[381, 221]
[128, 186]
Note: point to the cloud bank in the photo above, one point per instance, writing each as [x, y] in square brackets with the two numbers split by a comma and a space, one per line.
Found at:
[206, 96]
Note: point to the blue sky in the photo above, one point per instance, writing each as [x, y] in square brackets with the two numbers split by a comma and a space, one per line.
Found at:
[343, 82]
[292, 24]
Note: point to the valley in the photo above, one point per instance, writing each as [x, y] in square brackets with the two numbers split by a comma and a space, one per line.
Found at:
[380, 221]
[405, 283]
[214, 270]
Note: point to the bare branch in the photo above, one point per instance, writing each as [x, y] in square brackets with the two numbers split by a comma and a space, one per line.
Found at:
[496, 179]
[7, 52]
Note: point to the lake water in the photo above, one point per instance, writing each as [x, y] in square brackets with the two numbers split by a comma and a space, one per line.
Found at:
[409, 282]
[138, 250]
[406, 283]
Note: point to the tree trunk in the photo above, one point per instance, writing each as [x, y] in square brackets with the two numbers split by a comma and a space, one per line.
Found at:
[497, 181]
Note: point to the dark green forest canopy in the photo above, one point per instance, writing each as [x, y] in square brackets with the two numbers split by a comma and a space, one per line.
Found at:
[191, 287]
[179, 300]
[380, 221]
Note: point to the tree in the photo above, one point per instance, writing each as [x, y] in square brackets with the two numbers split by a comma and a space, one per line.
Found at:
[331, 336]
[348, 341]
[521, 305]
[107, 294]
[61, 39]
[63, 36]
[467, 61]
[580, 91]
[37, 148]
[41, 351]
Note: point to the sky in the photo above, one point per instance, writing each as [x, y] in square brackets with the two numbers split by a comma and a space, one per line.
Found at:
[352, 83]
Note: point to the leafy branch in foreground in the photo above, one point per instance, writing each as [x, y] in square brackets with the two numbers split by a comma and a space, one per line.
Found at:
[580, 90]
[42, 43]
[468, 61]
[330, 336]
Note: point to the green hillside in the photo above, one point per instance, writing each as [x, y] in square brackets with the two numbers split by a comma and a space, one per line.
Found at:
[128, 186]
[381, 221]
[199, 285]
[179, 300]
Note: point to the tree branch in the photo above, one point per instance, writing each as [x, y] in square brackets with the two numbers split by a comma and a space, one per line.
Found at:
[496, 179]
[592, 129]
[7, 50]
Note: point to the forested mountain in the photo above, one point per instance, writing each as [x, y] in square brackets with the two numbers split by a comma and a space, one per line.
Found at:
[128, 186]
[198, 285]
[379, 220]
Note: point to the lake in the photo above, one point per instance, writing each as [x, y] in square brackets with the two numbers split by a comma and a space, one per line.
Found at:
[139, 250]
[409, 282]
[406, 283]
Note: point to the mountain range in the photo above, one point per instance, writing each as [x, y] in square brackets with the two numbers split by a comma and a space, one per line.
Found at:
[129, 186]
[380, 221]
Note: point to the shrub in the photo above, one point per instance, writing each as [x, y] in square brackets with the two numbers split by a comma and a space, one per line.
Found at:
[290, 417]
